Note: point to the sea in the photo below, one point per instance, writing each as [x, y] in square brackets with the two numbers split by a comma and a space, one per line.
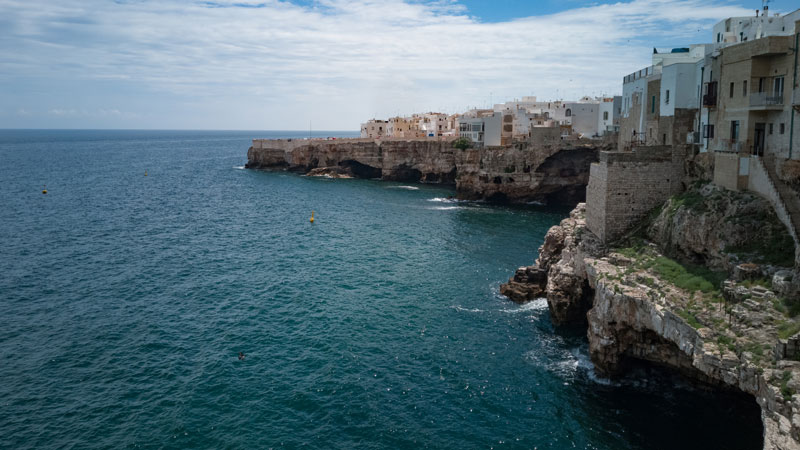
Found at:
[129, 290]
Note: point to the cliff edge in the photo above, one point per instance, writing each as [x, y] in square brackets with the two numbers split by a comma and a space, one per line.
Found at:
[534, 171]
[716, 298]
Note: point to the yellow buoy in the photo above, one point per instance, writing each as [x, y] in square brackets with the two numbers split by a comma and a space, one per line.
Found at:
[312, 217]
[44, 191]
[145, 173]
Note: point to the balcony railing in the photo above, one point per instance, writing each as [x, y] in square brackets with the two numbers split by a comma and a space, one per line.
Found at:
[710, 97]
[729, 146]
[766, 99]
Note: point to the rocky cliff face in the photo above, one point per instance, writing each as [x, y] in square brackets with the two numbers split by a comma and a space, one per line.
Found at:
[639, 306]
[521, 173]
[721, 229]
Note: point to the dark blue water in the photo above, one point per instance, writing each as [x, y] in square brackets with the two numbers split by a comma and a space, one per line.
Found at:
[125, 299]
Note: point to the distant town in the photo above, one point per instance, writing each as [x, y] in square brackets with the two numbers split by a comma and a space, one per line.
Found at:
[724, 96]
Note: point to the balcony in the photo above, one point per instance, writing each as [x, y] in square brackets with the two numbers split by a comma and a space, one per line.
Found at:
[770, 46]
[766, 100]
[710, 97]
[729, 146]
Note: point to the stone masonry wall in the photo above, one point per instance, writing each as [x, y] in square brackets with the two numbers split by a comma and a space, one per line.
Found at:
[625, 186]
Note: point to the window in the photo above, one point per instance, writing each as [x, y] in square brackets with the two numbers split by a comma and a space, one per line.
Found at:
[771, 128]
[605, 115]
[744, 88]
[734, 130]
[761, 84]
[667, 98]
[731, 89]
[782, 128]
[664, 139]
[569, 113]
[708, 131]
[778, 87]
[653, 105]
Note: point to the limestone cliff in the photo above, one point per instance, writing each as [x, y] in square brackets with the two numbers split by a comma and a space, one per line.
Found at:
[640, 305]
[519, 173]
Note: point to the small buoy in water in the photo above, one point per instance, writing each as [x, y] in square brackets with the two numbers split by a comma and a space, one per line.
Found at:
[44, 191]
[145, 173]
[312, 217]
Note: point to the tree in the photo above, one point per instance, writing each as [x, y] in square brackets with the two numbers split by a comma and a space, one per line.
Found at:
[462, 143]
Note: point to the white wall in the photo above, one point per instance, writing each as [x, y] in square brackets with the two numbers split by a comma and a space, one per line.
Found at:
[679, 80]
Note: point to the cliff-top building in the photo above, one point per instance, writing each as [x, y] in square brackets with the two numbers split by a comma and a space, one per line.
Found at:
[736, 99]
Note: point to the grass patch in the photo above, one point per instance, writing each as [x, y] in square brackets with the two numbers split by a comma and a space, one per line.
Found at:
[788, 328]
[690, 199]
[777, 249]
[690, 319]
[754, 348]
[688, 277]
[792, 306]
[727, 342]
[785, 389]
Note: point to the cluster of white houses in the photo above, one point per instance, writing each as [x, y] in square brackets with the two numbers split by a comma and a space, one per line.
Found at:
[505, 122]
[736, 97]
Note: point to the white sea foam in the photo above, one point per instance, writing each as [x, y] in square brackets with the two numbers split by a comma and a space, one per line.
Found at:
[445, 200]
[461, 308]
[445, 208]
[239, 167]
[410, 188]
[535, 305]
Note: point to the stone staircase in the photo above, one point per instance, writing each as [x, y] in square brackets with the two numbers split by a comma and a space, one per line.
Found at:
[785, 200]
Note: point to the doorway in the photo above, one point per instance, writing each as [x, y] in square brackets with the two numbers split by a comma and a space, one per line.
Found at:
[758, 139]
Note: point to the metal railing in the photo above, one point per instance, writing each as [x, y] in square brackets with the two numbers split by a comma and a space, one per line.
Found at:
[710, 97]
[729, 145]
[766, 99]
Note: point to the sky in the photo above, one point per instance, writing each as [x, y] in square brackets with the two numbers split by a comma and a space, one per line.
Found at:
[321, 64]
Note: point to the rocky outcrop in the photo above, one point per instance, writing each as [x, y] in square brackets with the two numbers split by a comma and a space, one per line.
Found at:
[555, 171]
[720, 229]
[638, 308]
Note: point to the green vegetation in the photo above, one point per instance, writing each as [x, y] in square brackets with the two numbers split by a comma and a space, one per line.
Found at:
[777, 248]
[785, 389]
[462, 143]
[790, 307]
[690, 319]
[788, 328]
[763, 282]
[690, 199]
[726, 342]
[688, 277]
[755, 349]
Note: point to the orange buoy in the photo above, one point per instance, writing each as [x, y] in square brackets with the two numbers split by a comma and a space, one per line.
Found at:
[312, 217]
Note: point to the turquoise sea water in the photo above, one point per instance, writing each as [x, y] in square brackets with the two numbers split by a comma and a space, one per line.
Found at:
[125, 300]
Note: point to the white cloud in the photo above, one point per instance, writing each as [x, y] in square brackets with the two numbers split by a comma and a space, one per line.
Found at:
[276, 65]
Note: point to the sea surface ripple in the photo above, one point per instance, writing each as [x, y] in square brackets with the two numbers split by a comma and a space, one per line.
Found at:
[125, 300]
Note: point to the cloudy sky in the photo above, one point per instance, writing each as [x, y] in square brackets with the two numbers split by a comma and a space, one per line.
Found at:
[282, 65]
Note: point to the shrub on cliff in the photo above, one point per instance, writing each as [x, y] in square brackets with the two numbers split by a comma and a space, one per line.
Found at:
[462, 143]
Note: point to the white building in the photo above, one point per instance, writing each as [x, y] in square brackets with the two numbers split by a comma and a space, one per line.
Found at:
[482, 128]
[734, 30]
[610, 109]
